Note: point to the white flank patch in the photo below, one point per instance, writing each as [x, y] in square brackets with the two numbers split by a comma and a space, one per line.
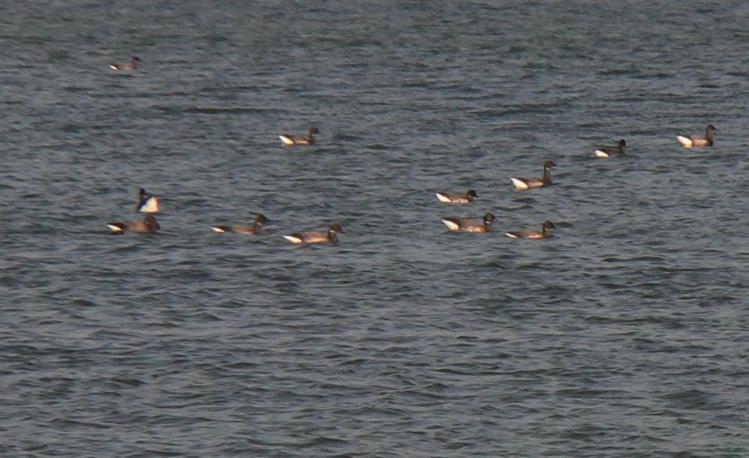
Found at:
[520, 185]
[151, 205]
[686, 142]
[113, 67]
[601, 154]
[286, 140]
[293, 239]
[114, 228]
[217, 229]
[442, 198]
[452, 225]
[511, 235]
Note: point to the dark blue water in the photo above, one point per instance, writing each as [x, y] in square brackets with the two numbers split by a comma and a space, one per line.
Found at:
[624, 335]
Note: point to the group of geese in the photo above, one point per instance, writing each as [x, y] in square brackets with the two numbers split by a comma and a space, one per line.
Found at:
[524, 184]
[150, 204]
[486, 224]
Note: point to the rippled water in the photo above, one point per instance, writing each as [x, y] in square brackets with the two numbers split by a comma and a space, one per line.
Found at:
[625, 335]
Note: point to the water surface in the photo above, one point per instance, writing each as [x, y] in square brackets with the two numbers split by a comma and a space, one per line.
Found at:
[625, 335]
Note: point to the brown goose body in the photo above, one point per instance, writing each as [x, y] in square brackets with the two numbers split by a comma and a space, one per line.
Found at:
[606, 152]
[292, 140]
[451, 198]
[148, 225]
[130, 66]
[523, 184]
[470, 224]
[331, 236]
[547, 231]
[253, 229]
[695, 141]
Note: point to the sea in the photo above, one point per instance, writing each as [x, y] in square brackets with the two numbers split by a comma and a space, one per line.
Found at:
[624, 335]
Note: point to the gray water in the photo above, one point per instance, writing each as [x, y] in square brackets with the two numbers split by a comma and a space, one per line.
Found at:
[624, 335]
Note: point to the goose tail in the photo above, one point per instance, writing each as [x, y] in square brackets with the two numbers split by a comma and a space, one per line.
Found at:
[442, 197]
[601, 154]
[519, 184]
[451, 225]
[686, 142]
[296, 240]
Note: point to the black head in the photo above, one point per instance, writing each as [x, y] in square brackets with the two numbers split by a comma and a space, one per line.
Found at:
[622, 143]
[549, 164]
[314, 131]
[143, 196]
[548, 225]
[335, 227]
[261, 219]
[136, 59]
[488, 218]
[711, 127]
[472, 193]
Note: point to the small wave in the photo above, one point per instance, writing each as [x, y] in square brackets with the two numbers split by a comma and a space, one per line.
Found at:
[227, 110]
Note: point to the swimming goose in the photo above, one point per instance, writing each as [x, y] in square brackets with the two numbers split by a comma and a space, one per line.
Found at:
[148, 203]
[523, 184]
[290, 140]
[605, 152]
[547, 230]
[331, 236]
[148, 225]
[244, 229]
[470, 225]
[450, 198]
[695, 140]
[130, 66]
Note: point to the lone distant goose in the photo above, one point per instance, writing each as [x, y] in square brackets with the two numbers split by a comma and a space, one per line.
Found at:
[697, 141]
[523, 184]
[130, 66]
[244, 229]
[470, 225]
[331, 236]
[291, 140]
[547, 231]
[148, 203]
[605, 152]
[450, 198]
[148, 225]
